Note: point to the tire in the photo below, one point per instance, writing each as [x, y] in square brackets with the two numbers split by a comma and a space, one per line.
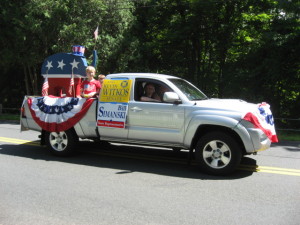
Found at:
[61, 143]
[218, 153]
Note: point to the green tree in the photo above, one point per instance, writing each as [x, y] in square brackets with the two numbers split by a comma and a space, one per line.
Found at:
[40, 28]
[270, 68]
[234, 48]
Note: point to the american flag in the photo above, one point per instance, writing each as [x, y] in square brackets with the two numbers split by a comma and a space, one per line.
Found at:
[45, 87]
[96, 33]
[71, 84]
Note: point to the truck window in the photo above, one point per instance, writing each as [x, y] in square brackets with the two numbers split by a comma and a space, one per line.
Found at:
[149, 90]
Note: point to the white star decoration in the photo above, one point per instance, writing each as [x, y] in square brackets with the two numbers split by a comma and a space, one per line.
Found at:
[61, 64]
[49, 65]
[74, 64]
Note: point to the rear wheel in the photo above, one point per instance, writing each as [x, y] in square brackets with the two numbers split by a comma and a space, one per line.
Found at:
[218, 153]
[61, 143]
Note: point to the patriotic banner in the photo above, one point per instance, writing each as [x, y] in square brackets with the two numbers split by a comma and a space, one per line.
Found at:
[263, 119]
[55, 114]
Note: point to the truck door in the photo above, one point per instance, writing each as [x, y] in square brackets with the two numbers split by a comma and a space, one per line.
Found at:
[154, 121]
[114, 133]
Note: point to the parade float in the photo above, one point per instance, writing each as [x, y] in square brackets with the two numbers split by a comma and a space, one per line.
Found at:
[60, 107]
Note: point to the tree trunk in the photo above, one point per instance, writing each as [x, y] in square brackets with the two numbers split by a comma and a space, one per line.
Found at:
[26, 80]
[35, 87]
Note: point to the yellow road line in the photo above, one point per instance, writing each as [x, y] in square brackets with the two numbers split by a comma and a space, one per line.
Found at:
[267, 169]
[19, 141]
[271, 168]
[270, 171]
[251, 168]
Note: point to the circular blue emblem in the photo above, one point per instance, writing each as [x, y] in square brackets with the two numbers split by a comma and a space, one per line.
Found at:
[124, 84]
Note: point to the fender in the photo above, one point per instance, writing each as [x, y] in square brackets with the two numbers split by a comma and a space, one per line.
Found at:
[217, 120]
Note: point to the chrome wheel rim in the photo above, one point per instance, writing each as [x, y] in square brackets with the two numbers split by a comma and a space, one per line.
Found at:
[217, 154]
[58, 140]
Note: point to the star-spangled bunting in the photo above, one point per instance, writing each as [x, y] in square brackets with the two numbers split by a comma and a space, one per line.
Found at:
[57, 114]
[262, 118]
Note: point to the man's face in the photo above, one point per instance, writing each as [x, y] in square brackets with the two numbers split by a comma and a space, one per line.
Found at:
[150, 89]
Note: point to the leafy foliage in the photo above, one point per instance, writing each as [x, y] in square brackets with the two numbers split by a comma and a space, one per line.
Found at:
[247, 49]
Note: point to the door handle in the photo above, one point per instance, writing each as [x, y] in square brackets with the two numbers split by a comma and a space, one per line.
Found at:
[136, 109]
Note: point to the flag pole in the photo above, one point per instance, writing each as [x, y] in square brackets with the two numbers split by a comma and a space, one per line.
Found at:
[96, 36]
[45, 86]
[71, 85]
[74, 88]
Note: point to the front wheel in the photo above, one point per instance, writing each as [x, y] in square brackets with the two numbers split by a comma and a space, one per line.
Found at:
[61, 143]
[218, 153]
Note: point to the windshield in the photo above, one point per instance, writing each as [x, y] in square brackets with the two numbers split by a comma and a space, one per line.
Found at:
[191, 92]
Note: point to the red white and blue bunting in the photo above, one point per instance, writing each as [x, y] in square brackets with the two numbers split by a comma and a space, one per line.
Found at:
[55, 114]
[263, 119]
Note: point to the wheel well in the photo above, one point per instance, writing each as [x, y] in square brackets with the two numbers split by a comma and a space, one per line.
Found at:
[43, 133]
[204, 129]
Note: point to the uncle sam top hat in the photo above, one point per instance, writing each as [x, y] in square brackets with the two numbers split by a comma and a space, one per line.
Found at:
[78, 50]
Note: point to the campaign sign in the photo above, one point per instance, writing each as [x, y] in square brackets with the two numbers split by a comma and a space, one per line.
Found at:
[112, 114]
[113, 103]
[115, 91]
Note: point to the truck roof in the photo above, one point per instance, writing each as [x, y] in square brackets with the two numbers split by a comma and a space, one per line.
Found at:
[140, 75]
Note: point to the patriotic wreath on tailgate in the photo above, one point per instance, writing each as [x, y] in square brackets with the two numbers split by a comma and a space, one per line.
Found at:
[55, 114]
[263, 119]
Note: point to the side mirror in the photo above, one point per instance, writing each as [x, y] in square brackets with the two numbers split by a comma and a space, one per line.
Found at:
[171, 97]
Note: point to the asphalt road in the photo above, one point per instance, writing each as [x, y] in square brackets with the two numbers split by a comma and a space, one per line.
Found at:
[123, 184]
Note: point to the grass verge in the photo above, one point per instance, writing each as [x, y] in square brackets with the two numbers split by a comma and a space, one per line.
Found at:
[6, 116]
[288, 135]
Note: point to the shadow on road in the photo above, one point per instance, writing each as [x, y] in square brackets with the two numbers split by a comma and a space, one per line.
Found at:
[126, 159]
[293, 146]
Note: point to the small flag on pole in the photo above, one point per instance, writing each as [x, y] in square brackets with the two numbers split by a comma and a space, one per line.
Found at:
[71, 84]
[45, 87]
[96, 33]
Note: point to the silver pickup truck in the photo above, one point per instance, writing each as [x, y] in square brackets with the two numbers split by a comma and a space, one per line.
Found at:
[213, 130]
